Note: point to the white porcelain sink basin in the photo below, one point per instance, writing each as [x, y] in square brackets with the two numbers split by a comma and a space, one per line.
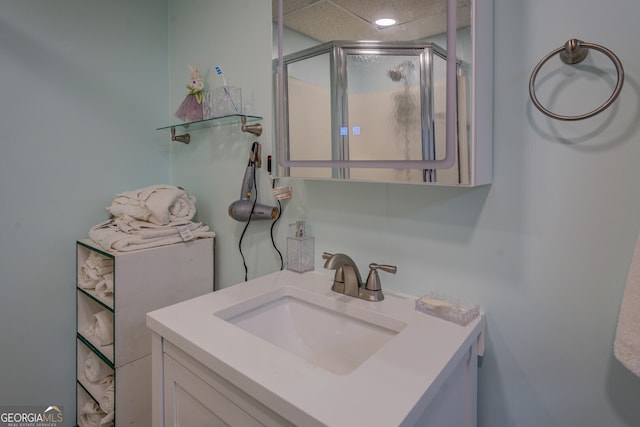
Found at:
[333, 336]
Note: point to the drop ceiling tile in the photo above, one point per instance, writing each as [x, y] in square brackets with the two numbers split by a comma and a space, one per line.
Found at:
[289, 6]
[401, 10]
[324, 21]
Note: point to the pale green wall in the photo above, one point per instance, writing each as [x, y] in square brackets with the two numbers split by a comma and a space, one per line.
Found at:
[237, 37]
[83, 85]
[545, 249]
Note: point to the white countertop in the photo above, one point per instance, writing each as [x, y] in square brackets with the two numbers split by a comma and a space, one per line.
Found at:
[394, 384]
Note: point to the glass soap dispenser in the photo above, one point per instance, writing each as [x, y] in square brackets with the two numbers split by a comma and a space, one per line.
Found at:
[300, 250]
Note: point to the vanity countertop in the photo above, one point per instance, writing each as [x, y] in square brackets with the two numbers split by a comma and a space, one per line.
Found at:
[390, 388]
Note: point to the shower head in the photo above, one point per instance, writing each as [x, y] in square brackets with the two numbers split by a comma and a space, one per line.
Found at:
[400, 72]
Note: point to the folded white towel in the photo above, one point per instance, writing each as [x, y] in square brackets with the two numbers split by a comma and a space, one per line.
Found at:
[90, 415]
[93, 270]
[626, 346]
[101, 327]
[94, 275]
[87, 281]
[147, 230]
[143, 235]
[95, 369]
[95, 260]
[158, 204]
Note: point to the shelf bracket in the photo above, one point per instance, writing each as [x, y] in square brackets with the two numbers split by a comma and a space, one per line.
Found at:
[255, 129]
[181, 138]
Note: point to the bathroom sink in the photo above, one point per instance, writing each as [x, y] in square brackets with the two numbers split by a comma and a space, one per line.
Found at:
[333, 336]
[318, 358]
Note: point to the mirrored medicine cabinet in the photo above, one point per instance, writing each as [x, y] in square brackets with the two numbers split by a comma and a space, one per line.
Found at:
[410, 102]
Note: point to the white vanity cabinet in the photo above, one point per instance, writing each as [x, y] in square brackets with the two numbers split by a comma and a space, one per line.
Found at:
[141, 281]
[192, 395]
[210, 367]
[186, 393]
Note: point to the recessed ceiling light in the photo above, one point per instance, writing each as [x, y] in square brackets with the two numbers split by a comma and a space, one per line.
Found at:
[385, 22]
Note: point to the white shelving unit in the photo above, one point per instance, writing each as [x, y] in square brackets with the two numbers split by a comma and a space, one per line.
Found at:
[143, 281]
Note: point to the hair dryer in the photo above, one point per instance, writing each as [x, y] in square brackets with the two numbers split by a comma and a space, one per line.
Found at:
[245, 208]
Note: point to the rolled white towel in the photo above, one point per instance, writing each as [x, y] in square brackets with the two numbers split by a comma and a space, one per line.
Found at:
[94, 369]
[101, 327]
[90, 415]
[169, 203]
[104, 288]
[107, 400]
[107, 421]
[158, 204]
[182, 208]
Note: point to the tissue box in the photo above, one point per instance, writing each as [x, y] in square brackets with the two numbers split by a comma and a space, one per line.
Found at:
[446, 309]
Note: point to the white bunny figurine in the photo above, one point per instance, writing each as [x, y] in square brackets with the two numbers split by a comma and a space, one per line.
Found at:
[191, 108]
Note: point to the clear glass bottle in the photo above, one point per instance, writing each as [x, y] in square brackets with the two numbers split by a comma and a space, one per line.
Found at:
[300, 250]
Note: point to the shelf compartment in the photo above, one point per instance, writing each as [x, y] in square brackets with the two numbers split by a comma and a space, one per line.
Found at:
[83, 253]
[82, 397]
[87, 308]
[94, 389]
[107, 303]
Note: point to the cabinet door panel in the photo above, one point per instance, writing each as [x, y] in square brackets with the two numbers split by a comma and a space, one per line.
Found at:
[189, 411]
[190, 402]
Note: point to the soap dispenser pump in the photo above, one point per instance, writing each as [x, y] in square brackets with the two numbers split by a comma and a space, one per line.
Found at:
[300, 250]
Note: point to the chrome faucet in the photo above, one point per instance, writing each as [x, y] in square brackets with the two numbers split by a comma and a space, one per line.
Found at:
[347, 278]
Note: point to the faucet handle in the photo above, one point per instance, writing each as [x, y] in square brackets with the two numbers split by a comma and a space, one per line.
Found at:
[388, 268]
[373, 280]
[373, 288]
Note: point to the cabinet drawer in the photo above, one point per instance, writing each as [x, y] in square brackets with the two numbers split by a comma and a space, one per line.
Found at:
[229, 391]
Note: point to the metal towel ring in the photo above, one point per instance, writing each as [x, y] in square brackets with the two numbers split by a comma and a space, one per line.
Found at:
[573, 52]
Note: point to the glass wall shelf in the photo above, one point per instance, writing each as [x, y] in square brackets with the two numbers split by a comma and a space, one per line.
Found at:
[214, 121]
[230, 119]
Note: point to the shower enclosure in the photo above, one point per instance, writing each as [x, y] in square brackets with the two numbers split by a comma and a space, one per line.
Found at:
[348, 100]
